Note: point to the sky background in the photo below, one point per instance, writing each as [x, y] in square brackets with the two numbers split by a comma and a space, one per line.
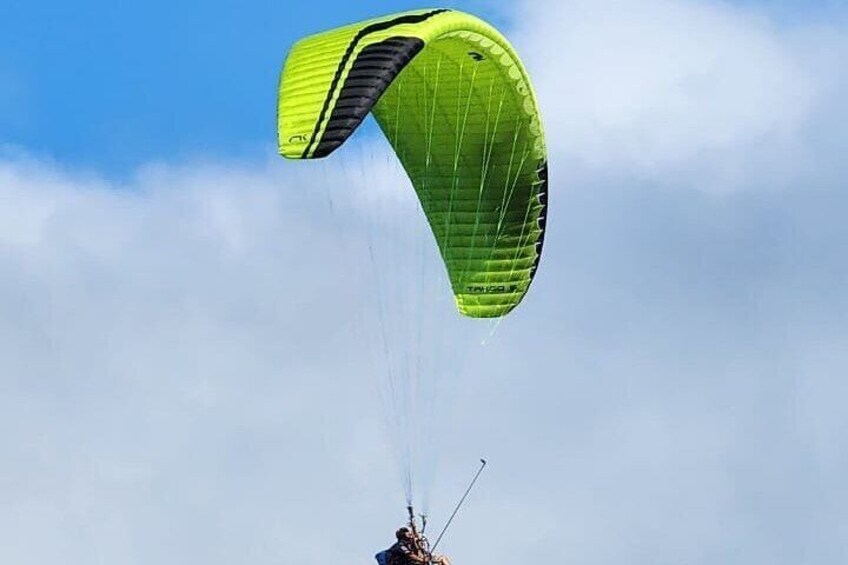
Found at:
[183, 381]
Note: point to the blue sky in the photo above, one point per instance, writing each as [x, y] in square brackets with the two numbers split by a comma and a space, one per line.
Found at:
[111, 86]
[184, 380]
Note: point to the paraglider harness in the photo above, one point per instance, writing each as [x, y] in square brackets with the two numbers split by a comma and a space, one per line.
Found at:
[420, 544]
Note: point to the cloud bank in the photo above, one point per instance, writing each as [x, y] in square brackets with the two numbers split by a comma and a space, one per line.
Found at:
[689, 94]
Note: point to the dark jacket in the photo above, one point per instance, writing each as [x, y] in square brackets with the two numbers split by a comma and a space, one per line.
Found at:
[399, 554]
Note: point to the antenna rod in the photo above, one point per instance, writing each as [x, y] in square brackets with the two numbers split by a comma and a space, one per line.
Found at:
[459, 504]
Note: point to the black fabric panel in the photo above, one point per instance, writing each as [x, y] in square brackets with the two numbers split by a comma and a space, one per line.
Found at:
[373, 28]
[351, 101]
[543, 215]
[371, 74]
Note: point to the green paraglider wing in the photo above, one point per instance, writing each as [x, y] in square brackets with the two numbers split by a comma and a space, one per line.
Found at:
[454, 101]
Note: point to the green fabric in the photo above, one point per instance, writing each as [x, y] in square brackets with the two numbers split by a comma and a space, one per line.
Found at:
[463, 120]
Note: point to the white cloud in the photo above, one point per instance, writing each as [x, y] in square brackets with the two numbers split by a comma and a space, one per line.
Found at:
[152, 335]
[681, 92]
[178, 344]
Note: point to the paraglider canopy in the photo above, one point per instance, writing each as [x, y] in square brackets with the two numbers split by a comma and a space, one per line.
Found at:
[455, 102]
